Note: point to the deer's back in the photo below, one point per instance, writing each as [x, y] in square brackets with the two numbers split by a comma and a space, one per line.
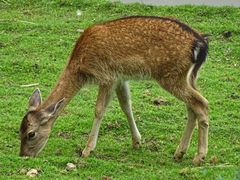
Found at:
[135, 46]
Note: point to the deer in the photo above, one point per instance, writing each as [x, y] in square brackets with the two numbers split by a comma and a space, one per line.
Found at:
[109, 54]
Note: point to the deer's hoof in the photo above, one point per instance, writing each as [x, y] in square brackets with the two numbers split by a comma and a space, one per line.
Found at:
[137, 145]
[86, 152]
[198, 160]
[178, 156]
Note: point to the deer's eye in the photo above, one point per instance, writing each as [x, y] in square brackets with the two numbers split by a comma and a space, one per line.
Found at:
[31, 135]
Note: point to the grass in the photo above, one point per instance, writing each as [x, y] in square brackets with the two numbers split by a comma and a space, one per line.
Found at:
[36, 38]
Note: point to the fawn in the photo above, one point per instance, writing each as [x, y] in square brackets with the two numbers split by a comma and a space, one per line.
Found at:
[113, 52]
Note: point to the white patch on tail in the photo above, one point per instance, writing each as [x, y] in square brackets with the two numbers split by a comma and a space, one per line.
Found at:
[189, 75]
[196, 52]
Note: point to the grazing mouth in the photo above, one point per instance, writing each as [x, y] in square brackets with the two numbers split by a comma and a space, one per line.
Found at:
[32, 154]
[23, 154]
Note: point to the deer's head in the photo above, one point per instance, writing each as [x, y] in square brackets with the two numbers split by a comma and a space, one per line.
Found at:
[36, 125]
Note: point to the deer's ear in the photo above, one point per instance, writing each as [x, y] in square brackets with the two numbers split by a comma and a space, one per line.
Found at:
[35, 100]
[52, 109]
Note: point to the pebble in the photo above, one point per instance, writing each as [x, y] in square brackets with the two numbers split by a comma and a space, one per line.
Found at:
[32, 173]
[160, 101]
[70, 166]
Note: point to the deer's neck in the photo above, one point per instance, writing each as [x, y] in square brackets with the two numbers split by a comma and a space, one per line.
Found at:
[66, 87]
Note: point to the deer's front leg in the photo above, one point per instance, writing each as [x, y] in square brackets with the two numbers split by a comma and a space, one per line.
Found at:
[123, 94]
[104, 96]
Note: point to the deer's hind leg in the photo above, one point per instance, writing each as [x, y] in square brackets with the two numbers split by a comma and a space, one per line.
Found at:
[187, 134]
[197, 107]
[124, 99]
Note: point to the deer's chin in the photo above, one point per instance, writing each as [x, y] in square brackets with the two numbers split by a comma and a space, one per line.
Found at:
[35, 152]
[27, 154]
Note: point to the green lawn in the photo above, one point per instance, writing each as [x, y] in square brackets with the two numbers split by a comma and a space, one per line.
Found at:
[36, 38]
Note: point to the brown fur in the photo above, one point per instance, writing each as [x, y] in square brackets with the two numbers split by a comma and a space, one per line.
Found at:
[136, 47]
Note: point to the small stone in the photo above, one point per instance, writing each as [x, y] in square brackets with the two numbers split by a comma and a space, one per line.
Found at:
[160, 101]
[32, 173]
[80, 30]
[70, 167]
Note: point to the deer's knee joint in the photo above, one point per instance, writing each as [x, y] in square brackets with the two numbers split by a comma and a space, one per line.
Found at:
[98, 112]
[204, 122]
[206, 104]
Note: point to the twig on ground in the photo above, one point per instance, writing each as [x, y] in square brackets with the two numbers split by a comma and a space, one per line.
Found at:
[217, 166]
[30, 85]
[21, 21]
[28, 22]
